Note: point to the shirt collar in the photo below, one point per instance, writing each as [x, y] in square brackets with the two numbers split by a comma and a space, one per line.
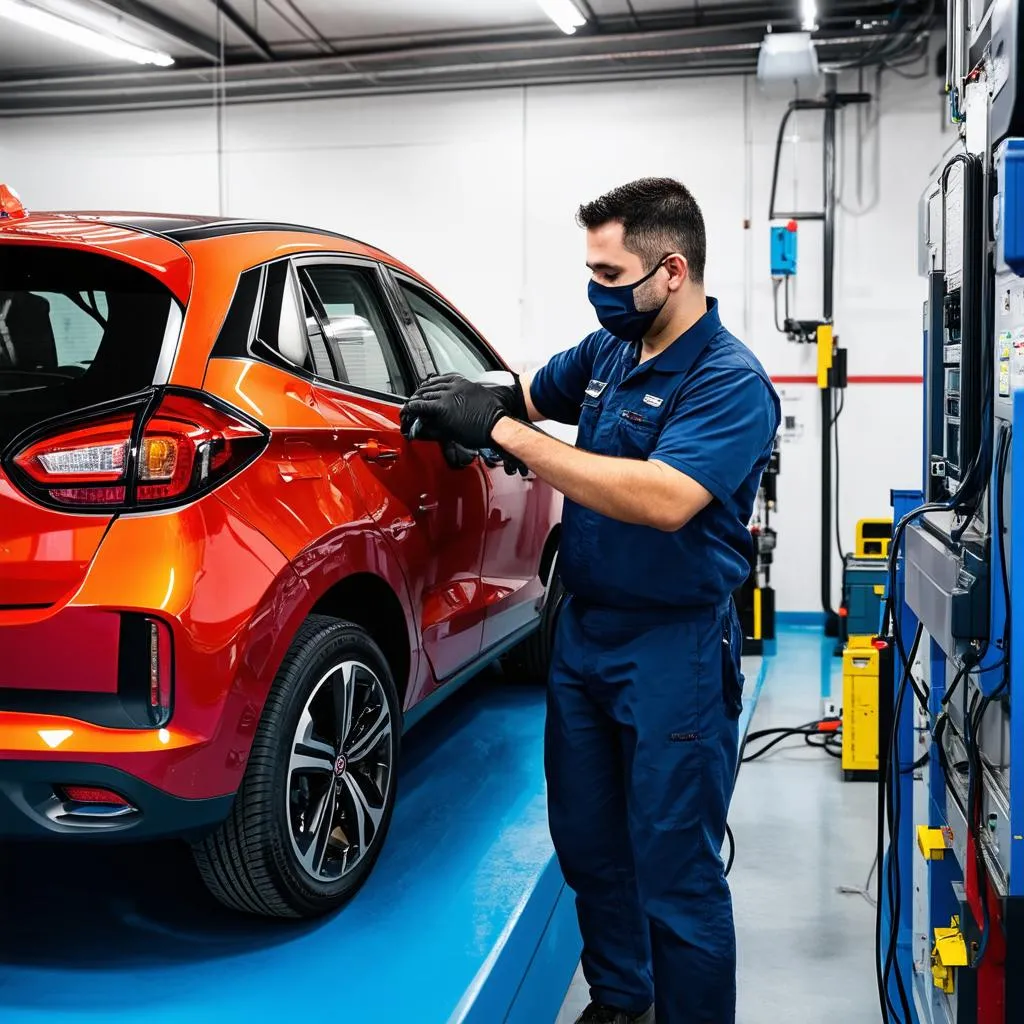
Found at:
[680, 356]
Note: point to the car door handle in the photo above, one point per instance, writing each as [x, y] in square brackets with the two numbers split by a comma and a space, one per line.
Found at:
[374, 451]
[427, 504]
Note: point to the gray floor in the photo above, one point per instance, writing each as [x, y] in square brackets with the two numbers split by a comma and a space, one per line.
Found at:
[806, 951]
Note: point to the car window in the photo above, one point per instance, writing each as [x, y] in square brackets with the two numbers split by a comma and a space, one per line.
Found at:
[77, 323]
[347, 328]
[281, 326]
[76, 329]
[452, 347]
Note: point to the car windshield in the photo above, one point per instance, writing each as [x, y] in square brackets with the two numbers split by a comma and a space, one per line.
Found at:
[76, 329]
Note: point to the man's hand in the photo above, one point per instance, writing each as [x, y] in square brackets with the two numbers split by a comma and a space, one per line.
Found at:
[454, 409]
[456, 456]
[511, 464]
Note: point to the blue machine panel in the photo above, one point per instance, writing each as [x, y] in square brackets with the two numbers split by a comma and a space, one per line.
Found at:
[783, 250]
[1011, 227]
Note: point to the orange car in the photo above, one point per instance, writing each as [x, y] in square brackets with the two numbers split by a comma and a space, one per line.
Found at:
[227, 582]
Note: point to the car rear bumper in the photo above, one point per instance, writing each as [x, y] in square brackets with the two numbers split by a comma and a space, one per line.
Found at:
[33, 805]
[73, 691]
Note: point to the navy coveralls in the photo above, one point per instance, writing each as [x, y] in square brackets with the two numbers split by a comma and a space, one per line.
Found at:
[645, 689]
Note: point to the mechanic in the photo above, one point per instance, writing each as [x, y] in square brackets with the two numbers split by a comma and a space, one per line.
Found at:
[676, 420]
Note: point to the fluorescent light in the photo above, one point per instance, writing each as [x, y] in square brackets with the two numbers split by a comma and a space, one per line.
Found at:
[51, 24]
[808, 15]
[564, 13]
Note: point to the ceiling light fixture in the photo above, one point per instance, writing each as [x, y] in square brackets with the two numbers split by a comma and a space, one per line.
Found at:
[564, 13]
[808, 15]
[71, 32]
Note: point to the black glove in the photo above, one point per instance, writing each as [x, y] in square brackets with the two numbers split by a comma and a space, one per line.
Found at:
[511, 396]
[456, 456]
[454, 409]
[511, 464]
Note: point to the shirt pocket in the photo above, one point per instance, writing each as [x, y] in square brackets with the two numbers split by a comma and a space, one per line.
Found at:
[638, 433]
[590, 414]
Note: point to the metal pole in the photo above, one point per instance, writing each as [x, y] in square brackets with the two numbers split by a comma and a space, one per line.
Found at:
[829, 244]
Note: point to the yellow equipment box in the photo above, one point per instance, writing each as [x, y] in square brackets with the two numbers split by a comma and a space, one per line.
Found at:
[872, 539]
[860, 709]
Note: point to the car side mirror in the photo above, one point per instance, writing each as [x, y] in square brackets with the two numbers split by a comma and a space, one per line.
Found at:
[499, 377]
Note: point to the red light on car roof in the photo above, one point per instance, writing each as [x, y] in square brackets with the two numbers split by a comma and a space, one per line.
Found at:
[10, 204]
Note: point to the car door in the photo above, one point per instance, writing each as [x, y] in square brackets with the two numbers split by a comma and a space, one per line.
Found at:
[433, 516]
[517, 522]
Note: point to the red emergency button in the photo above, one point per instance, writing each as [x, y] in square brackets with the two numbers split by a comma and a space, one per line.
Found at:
[791, 225]
[10, 205]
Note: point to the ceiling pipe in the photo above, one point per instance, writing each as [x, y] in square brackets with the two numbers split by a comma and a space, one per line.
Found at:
[703, 72]
[400, 52]
[344, 77]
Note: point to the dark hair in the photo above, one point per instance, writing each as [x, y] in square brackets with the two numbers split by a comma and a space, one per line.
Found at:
[658, 216]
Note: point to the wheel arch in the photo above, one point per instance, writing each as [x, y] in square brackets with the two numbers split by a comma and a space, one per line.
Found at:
[367, 600]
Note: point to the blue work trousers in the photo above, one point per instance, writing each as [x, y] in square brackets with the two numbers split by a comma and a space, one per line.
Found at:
[640, 753]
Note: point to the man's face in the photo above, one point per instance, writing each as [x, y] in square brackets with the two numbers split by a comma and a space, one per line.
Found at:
[608, 259]
[612, 264]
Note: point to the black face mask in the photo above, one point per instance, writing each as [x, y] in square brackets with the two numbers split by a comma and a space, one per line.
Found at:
[616, 307]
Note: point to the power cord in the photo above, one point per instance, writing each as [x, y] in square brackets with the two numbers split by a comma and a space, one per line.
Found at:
[865, 890]
[889, 818]
[732, 849]
[824, 727]
[835, 439]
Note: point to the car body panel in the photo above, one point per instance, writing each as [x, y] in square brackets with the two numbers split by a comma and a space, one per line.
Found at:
[44, 554]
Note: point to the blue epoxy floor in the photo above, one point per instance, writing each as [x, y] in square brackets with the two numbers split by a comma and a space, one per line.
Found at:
[125, 934]
[806, 951]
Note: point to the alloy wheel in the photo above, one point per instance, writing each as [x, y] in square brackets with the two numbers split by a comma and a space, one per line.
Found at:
[339, 771]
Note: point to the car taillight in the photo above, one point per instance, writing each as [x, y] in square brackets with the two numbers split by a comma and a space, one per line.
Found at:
[187, 446]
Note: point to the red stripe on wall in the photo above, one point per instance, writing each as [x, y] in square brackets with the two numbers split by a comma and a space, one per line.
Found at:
[810, 378]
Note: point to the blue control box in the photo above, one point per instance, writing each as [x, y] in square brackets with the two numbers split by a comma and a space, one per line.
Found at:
[784, 250]
[1010, 161]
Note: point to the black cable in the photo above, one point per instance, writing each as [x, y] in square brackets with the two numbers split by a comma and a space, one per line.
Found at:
[781, 733]
[975, 718]
[1001, 463]
[633, 15]
[893, 808]
[775, 302]
[831, 744]
[732, 849]
[879, 51]
[961, 673]
[835, 439]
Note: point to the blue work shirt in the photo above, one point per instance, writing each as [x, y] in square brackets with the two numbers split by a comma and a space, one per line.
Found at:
[704, 406]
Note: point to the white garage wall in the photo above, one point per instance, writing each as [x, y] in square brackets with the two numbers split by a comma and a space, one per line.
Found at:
[478, 192]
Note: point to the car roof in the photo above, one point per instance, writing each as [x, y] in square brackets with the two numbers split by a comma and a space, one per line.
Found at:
[118, 233]
[182, 228]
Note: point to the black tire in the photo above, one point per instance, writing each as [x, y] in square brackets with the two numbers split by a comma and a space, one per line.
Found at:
[252, 863]
[530, 661]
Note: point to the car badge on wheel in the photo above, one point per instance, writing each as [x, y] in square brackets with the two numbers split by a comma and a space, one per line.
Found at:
[340, 764]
